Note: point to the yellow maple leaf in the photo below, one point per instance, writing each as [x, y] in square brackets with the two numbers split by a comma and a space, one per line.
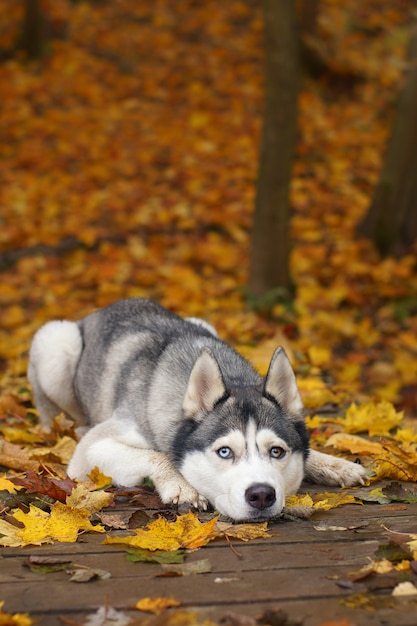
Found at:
[354, 444]
[21, 434]
[412, 545]
[244, 532]
[406, 435]
[315, 392]
[398, 462]
[299, 500]
[402, 566]
[315, 421]
[63, 450]
[82, 497]
[18, 619]
[323, 501]
[100, 480]
[326, 501]
[374, 567]
[63, 524]
[374, 418]
[155, 605]
[9, 535]
[319, 355]
[186, 532]
[7, 485]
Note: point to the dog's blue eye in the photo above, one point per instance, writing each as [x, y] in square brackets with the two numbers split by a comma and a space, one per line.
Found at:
[225, 452]
[277, 453]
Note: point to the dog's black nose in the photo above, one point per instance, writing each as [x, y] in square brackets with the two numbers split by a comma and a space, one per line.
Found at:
[260, 496]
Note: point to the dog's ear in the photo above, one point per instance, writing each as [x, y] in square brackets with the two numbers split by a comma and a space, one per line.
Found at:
[205, 386]
[280, 383]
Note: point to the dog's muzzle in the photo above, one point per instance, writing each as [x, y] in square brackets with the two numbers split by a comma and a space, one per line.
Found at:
[260, 496]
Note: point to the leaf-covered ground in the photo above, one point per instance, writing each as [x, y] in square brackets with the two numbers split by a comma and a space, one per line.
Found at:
[128, 163]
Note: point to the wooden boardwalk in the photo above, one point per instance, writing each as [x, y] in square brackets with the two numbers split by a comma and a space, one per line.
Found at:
[296, 570]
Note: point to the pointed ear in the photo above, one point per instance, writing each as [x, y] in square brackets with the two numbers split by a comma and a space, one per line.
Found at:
[205, 386]
[280, 383]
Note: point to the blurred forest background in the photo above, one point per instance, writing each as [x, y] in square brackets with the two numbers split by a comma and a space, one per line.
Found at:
[130, 141]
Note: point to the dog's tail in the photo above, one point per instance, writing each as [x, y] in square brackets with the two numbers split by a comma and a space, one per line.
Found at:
[197, 321]
[54, 354]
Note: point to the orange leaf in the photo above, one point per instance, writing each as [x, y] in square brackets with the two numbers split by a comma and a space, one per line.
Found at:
[155, 605]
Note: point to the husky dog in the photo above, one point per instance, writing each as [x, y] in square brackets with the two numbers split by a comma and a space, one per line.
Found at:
[163, 397]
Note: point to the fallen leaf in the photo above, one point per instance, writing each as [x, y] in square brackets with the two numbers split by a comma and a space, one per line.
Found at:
[16, 458]
[299, 500]
[328, 500]
[324, 501]
[225, 579]
[244, 532]
[375, 418]
[61, 452]
[21, 434]
[367, 601]
[375, 495]
[236, 619]
[100, 480]
[17, 619]
[392, 551]
[47, 564]
[155, 605]
[325, 525]
[10, 404]
[186, 532]
[278, 617]
[62, 524]
[86, 574]
[202, 566]
[10, 535]
[83, 498]
[118, 521]
[156, 556]
[7, 485]
[405, 589]
[63, 426]
[107, 616]
[400, 493]
[354, 444]
[398, 462]
[55, 488]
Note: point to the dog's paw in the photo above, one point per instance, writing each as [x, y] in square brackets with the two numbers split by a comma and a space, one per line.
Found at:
[181, 492]
[330, 470]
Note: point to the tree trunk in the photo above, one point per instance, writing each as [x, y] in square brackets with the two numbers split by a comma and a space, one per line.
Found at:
[32, 39]
[391, 221]
[269, 265]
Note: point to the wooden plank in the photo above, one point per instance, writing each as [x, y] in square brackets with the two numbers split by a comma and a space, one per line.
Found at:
[309, 613]
[291, 570]
[222, 559]
[200, 590]
[285, 531]
[191, 592]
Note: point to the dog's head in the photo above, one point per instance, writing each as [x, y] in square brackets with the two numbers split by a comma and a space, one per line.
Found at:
[243, 448]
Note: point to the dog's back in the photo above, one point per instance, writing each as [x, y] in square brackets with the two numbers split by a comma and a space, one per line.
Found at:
[137, 359]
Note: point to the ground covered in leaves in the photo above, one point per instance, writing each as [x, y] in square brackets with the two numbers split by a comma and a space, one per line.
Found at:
[128, 165]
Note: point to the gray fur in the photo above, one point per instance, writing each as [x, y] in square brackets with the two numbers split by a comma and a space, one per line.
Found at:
[162, 396]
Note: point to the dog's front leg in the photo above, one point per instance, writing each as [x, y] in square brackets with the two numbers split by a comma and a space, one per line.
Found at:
[125, 456]
[330, 470]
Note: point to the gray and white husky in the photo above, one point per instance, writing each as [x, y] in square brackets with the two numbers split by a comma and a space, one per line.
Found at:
[163, 397]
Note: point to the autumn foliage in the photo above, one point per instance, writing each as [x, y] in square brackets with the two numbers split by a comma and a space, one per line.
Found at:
[128, 161]
[128, 164]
